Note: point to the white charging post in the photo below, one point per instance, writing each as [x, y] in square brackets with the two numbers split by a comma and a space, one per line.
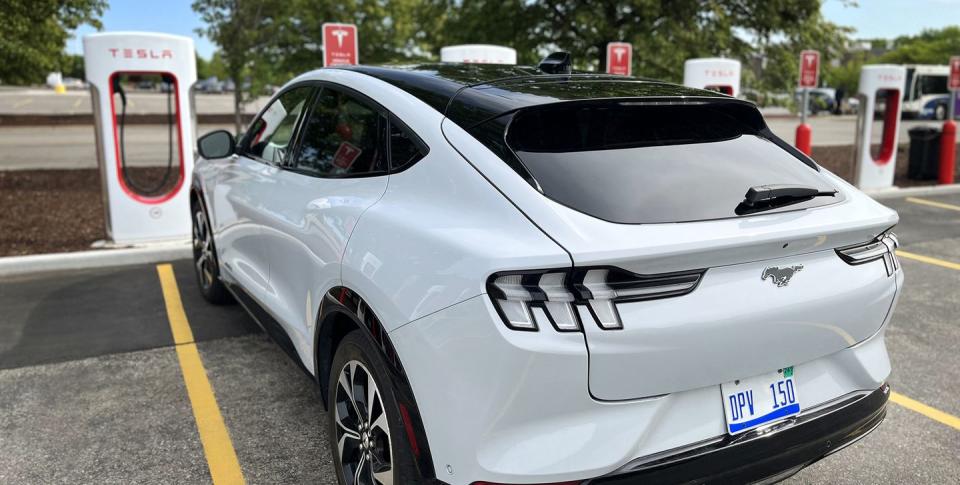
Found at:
[881, 82]
[715, 74]
[478, 54]
[114, 62]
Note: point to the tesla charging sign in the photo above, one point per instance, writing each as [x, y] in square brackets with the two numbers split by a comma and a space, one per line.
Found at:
[809, 69]
[879, 84]
[715, 74]
[340, 47]
[619, 58]
[146, 185]
[955, 73]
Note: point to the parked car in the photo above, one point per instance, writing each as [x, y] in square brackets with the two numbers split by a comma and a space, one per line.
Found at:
[209, 85]
[508, 274]
[820, 100]
[74, 83]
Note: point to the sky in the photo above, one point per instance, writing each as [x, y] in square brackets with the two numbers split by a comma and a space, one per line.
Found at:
[872, 19]
[892, 18]
[167, 16]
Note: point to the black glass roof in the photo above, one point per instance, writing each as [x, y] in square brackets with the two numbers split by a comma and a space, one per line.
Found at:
[472, 93]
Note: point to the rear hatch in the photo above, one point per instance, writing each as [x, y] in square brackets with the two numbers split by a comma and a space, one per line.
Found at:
[656, 186]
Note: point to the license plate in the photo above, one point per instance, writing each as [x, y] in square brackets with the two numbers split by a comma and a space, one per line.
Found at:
[755, 401]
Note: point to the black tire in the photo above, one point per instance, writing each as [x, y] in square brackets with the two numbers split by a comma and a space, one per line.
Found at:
[356, 358]
[205, 264]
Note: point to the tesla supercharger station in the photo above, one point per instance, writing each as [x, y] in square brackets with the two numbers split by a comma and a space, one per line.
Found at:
[715, 74]
[878, 83]
[146, 185]
[478, 54]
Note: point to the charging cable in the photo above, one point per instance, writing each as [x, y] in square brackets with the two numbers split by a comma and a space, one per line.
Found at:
[155, 189]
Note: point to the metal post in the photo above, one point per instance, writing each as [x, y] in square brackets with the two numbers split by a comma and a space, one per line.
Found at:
[948, 145]
[803, 108]
[804, 135]
[952, 107]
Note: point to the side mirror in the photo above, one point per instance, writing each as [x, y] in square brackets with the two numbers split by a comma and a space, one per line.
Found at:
[216, 144]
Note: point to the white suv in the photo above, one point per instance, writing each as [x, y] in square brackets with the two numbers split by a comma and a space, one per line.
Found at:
[516, 275]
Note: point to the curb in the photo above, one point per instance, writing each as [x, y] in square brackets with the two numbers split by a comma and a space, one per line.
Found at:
[896, 192]
[98, 258]
[170, 251]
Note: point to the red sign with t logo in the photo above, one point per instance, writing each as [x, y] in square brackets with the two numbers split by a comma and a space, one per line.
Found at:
[954, 73]
[340, 45]
[809, 69]
[619, 58]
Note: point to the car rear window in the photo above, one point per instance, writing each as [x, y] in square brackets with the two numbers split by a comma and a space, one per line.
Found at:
[651, 162]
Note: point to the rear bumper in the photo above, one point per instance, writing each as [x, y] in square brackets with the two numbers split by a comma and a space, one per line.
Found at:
[512, 407]
[766, 455]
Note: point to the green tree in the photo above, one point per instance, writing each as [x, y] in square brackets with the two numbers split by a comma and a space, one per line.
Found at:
[33, 34]
[71, 65]
[930, 47]
[245, 31]
[766, 35]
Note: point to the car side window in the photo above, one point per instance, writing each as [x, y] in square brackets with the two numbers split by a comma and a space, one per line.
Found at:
[270, 136]
[405, 148]
[342, 137]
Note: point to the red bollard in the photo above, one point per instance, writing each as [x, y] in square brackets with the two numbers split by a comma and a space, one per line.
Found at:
[804, 135]
[948, 152]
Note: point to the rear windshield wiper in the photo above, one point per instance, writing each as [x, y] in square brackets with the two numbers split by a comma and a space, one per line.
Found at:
[766, 197]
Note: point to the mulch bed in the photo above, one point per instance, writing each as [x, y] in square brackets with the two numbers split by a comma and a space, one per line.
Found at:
[48, 211]
[52, 211]
[839, 160]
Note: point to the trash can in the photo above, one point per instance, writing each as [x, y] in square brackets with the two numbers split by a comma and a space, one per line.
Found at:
[924, 153]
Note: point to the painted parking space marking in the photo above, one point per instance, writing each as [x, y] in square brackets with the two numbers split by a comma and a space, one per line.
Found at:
[932, 413]
[933, 203]
[927, 259]
[22, 102]
[217, 446]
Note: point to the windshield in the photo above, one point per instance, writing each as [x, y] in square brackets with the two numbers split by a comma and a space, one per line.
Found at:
[638, 163]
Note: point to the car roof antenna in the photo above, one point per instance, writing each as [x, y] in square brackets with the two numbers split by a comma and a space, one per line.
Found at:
[556, 63]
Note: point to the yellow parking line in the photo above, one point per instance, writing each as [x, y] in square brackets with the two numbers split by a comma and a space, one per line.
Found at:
[927, 259]
[221, 457]
[932, 413]
[933, 203]
[23, 102]
[77, 102]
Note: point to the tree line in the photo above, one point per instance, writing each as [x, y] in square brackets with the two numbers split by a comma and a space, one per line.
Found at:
[266, 42]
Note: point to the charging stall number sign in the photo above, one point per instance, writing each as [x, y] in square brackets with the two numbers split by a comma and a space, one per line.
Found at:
[340, 45]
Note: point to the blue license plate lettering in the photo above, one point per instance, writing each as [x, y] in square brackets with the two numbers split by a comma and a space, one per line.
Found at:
[752, 402]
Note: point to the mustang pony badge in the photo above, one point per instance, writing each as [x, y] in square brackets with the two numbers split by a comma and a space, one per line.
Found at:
[781, 276]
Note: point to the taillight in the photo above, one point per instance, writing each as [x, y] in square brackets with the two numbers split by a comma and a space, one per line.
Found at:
[566, 297]
[883, 247]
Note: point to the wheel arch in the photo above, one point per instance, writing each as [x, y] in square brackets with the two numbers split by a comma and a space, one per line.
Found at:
[342, 311]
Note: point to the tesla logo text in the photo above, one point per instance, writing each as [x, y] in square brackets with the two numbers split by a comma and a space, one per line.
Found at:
[781, 276]
[619, 52]
[141, 53]
[718, 72]
[339, 34]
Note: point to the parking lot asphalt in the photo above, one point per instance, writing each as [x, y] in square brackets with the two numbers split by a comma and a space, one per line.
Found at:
[98, 383]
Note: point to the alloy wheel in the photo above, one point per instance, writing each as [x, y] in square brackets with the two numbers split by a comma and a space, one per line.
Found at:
[203, 248]
[362, 431]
